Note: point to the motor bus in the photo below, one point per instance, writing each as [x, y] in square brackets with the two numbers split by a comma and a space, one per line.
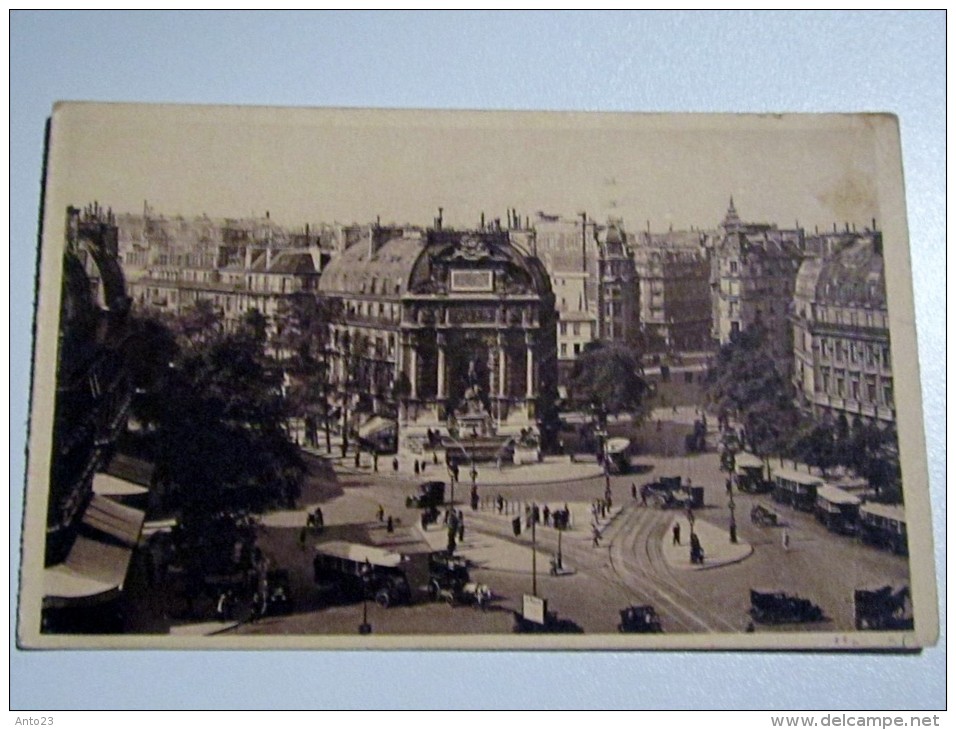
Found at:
[836, 509]
[798, 489]
[358, 571]
[883, 525]
[749, 472]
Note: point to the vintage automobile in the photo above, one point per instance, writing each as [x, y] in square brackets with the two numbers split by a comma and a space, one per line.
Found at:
[430, 494]
[883, 609]
[777, 607]
[760, 515]
[639, 620]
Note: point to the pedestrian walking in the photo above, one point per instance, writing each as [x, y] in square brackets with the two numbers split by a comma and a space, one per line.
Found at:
[633, 490]
[461, 529]
[395, 464]
[785, 539]
[390, 525]
[417, 470]
[358, 459]
[375, 460]
[675, 531]
[380, 513]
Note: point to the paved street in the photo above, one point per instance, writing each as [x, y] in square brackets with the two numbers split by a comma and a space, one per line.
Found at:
[635, 562]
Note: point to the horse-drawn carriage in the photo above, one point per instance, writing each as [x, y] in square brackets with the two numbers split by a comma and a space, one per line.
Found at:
[777, 607]
[760, 515]
[883, 609]
[449, 580]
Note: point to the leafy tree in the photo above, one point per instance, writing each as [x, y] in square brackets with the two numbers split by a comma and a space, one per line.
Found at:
[816, 445]
[198, 324]
[605, 380]
[302, 342]
[222, 443]
[745, 379]
[873, 453]
[149, 350]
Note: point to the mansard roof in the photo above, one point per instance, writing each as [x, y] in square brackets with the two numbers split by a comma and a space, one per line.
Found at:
[365, 269]
[415, 261]
[853, 276]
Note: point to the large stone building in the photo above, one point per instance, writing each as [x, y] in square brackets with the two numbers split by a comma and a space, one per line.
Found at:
[753, 273]
[236, 265]
[673, 273]
[618, 293]
[90, 536]
[594, 281]
[568, 248]
[842, 360]
[443, 331]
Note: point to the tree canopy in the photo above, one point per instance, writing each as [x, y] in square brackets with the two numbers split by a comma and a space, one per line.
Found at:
[605, 380]
[217, 416]
[745, 379]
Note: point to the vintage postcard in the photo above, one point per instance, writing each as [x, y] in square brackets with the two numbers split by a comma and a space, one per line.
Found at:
[319, 378]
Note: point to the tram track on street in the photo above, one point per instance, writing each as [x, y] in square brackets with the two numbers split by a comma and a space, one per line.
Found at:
[640, 533]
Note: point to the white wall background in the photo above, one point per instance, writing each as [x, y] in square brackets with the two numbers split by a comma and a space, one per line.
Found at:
[641, 61]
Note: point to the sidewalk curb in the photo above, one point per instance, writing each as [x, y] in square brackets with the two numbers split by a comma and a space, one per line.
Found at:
[383, 474]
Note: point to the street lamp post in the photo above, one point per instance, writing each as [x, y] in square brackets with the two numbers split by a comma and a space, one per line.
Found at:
[365, 627]
[729, 462]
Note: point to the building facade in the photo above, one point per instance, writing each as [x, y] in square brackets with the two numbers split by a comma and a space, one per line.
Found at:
[753, 274]
[442, 331]
[619, 297]
[569, 250]
[90, 537]
[235, 265]
[673, 273]
[842, 363]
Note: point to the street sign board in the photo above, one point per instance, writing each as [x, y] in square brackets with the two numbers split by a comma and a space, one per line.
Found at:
[534, 609]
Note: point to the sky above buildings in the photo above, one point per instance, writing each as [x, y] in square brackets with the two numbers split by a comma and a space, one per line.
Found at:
[352, 166]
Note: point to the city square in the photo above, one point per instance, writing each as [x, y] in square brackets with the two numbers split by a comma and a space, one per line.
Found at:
[547, 423]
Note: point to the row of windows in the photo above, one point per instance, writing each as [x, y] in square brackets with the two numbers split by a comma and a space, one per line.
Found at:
[867, 390]
[575, 328]
[363, 308]
[576, 349]
[854, 351]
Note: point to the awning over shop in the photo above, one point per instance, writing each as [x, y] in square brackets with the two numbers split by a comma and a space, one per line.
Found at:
[116, 520]
[95, 569]
[109, 486]
[92, 573]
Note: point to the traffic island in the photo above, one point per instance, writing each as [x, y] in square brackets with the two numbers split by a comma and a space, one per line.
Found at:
[714, 543]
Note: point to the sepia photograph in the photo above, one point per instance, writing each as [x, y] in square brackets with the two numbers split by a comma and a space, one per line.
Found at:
[345, 378]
